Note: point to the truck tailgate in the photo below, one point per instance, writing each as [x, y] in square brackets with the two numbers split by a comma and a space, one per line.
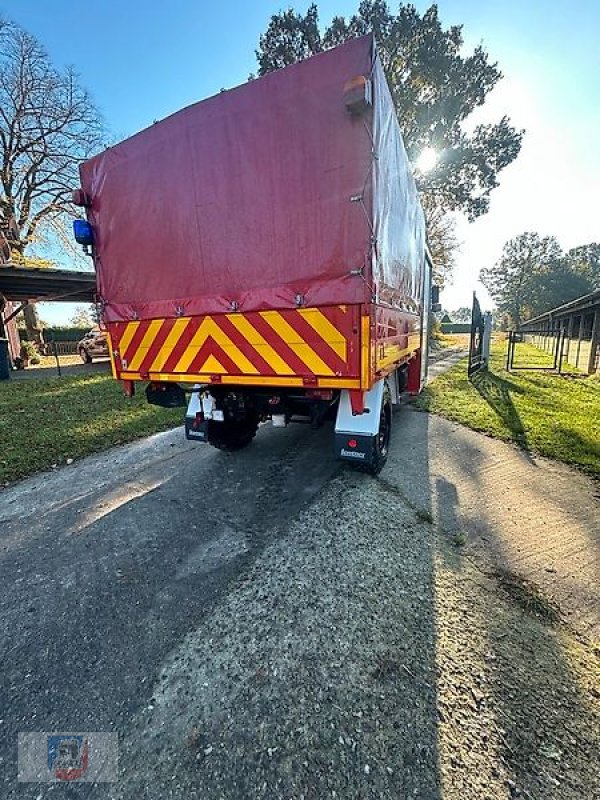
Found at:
[299, 347]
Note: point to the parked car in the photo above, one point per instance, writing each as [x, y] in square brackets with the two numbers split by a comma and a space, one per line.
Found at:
[93, 345]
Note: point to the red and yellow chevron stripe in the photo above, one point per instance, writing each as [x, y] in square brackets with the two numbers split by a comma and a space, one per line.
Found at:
[309, 346]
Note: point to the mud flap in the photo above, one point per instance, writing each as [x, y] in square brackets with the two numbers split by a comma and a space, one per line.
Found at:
[196, 428]
[355, 434]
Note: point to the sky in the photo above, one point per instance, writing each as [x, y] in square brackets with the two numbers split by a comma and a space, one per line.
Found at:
[142, 61]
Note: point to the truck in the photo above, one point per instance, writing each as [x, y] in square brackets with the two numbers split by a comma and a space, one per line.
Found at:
[261, 256]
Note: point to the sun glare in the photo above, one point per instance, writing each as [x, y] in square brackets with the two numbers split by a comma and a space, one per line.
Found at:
[427, 160]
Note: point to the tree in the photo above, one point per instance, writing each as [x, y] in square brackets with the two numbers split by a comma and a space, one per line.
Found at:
[441, 238]
[434, 87]
[82, 317]
[533, 275]
[558, 285]
[20, 320]
[48, 124]
[585, 260]
[462, 314]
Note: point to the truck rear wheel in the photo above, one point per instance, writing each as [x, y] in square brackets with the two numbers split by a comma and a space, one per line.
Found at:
[232, 435]
[381, 441]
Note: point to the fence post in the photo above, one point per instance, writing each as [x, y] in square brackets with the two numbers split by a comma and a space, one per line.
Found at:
[594, 342]
[487, 337]
[563, 335]
[55, 349]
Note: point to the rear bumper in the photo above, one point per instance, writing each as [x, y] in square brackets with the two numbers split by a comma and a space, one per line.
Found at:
[307, 382]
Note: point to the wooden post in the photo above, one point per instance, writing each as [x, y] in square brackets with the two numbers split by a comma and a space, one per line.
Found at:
[55, 350]
[569, 334]
[3, 332]
[562, 336]
[579, 337]
[594, 343]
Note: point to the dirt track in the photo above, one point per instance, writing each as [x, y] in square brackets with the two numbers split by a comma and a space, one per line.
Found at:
[273, 625]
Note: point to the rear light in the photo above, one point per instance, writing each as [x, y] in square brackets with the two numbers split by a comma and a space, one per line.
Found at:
[198, 420]
[358, 95]
[352, 443]
[319, 394]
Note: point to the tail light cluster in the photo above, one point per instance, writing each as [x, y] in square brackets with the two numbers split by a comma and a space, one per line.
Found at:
[198, 420]
[320, 394]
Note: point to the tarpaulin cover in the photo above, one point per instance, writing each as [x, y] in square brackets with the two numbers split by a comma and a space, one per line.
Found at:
[248, 200]
[399, 224]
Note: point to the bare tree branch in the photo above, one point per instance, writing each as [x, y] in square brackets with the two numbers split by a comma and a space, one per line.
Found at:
[48, 125]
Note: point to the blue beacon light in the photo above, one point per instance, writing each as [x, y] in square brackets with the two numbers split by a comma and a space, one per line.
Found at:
[83, 233]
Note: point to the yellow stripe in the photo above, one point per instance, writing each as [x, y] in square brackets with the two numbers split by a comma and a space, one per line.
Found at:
[244, 380]
[213, 366]
[113, 366]
[191, 350]
[393, 353]
[365, 345]
[296, 343]
[127, 337]
[142, 351]
[260, 344]
[207, 328]
[326, 330]
[165, 351]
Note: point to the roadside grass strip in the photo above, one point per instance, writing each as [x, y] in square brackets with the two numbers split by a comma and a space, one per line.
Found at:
[557, 416]
[48, 422]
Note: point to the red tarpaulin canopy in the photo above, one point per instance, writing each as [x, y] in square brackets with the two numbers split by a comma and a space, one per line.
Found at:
[254, 197]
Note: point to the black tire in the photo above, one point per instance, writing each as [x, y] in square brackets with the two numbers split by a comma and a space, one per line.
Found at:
[85, 356]
[231, 436]
[381, 445]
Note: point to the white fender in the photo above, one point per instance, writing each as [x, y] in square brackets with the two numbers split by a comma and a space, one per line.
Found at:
[366, 424]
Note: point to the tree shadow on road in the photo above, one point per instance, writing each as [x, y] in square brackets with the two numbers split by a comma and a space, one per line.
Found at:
[496, 392]
[520, 688]
[516, 689]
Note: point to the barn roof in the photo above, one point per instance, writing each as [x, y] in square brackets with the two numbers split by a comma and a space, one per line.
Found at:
[35, 283]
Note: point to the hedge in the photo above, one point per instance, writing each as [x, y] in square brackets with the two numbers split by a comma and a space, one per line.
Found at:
[455, 327]
[59, 334]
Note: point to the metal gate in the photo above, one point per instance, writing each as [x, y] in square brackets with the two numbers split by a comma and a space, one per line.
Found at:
[476, 355]
[548, 354]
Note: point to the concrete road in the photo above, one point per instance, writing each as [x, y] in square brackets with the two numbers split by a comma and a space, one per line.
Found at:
[107, 564]
[268, 624]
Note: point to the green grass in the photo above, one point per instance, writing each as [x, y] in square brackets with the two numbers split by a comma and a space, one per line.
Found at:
[48, 420]
[424, 515]
[557, 416]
